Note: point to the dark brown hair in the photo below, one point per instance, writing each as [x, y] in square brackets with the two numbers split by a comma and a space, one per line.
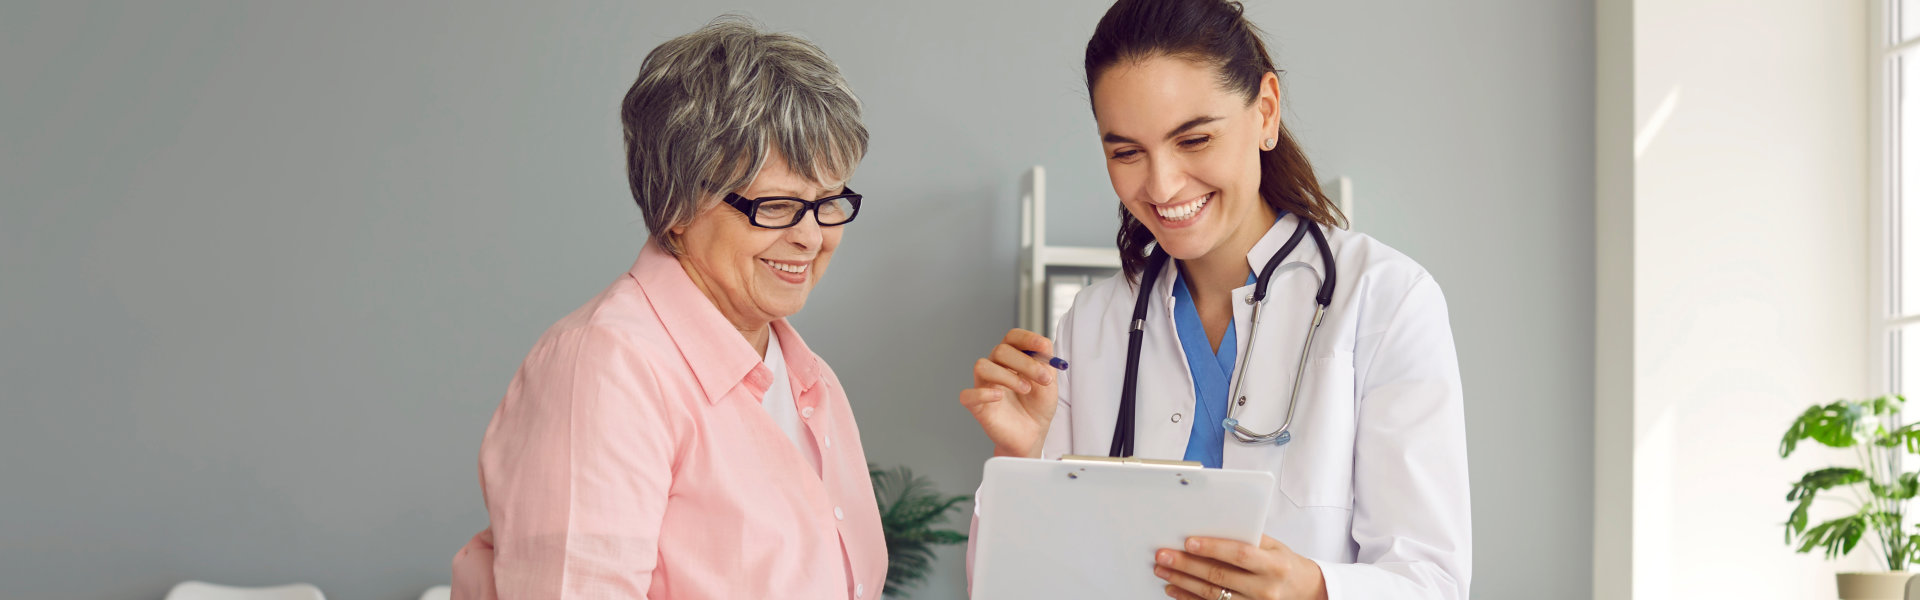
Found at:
[1217, 33]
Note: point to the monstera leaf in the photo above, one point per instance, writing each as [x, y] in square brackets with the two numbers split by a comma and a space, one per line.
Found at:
[1871, 429]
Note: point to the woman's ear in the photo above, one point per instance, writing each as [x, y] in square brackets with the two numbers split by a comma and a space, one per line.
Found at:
[1268, 103]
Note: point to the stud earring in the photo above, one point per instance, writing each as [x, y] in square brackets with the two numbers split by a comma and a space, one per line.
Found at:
[1269, 144]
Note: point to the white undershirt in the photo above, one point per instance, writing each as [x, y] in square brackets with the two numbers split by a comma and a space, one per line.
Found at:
[779, 403]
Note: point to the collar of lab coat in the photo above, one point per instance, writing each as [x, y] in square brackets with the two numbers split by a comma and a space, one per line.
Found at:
[1306, 252]
[720, 357]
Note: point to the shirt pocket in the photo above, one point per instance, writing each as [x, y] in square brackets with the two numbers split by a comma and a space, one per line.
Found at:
[1316, 467]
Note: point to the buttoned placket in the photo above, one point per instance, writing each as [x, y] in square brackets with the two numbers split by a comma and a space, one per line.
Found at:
[819, 429]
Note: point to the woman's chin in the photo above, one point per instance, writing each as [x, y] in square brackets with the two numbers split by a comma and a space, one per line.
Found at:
[781, 304]
[1185, 244]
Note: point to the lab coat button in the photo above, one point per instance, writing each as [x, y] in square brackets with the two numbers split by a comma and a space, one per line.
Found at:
[860, 590]
[838, 515]
[1176, 417]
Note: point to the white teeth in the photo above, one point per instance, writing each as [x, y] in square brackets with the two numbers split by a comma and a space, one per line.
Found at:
[1184, 211]
[800, 268]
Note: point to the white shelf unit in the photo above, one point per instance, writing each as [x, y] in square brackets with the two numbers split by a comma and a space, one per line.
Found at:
[1037, 258]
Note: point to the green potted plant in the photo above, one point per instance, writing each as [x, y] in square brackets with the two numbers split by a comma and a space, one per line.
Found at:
[910, 508]
[1877, 491]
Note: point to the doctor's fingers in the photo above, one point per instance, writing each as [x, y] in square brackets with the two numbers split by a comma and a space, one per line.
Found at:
[987, 373]
[975, 399]
[1174, 591]
[1265, 558]
[1184, 585]
[1022, 339]
[1205, 576]
[1027, 366]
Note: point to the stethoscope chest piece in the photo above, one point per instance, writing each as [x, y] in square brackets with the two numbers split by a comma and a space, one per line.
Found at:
[1233, 425]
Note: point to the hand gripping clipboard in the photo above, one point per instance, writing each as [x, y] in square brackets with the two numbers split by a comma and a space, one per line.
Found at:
[1087, 527]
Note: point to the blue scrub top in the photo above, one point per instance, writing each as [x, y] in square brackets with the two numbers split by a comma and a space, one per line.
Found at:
[1212, 374]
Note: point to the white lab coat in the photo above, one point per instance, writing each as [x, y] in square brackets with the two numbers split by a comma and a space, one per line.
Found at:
[1373, 486]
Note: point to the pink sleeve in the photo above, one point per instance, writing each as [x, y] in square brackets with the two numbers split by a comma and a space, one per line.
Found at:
[577, 466]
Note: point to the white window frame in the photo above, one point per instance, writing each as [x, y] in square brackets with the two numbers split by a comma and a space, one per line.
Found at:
[1883, 213]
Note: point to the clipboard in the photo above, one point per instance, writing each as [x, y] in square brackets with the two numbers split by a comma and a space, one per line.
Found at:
[1087, 527]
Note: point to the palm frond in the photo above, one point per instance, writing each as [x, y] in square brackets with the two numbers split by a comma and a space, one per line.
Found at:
[910, 508]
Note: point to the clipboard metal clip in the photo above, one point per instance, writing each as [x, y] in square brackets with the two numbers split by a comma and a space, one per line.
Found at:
[1131, 460]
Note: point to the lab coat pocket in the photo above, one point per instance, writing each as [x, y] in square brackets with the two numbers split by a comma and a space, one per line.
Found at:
[1316, 467]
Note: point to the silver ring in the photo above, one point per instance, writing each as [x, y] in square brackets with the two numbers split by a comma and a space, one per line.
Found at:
[1225, 594]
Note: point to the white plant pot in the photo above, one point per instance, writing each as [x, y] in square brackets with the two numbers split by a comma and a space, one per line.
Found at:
[1884, 585]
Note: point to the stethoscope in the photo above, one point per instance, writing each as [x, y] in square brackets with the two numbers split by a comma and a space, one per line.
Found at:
[1123, 429]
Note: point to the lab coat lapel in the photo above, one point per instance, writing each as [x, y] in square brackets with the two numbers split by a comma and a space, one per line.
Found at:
[1270, 348]
[1166, 382]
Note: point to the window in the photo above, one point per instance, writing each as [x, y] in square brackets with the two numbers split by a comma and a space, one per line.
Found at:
[1895, 77]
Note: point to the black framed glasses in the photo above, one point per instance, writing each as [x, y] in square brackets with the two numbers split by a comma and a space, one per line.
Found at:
[781, 212]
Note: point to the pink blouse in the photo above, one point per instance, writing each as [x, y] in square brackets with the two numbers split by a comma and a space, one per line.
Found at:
[631, 458]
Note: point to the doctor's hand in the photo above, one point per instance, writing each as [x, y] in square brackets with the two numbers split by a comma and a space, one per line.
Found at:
[1014, 395]
[1270, 571]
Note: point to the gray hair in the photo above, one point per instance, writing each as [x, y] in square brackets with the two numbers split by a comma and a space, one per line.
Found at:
[699, 119]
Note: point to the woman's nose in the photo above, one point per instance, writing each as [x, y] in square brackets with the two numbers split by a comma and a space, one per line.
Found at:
[1164, 179]
[806, 234]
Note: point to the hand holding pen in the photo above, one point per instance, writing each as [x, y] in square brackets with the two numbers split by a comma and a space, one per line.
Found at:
[1015, 392]
[1051, 360]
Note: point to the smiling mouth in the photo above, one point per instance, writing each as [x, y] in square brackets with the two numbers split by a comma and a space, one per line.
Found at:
[791, 272]
[786, 267]
[1185, 210]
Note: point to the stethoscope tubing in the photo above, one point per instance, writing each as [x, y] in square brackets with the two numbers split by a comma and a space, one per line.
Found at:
[1122, 444]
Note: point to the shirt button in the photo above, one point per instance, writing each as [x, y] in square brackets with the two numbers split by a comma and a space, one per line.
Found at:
[829, 442]
[1176, 417]
[860, 590]
[838, 515]
[806, 413]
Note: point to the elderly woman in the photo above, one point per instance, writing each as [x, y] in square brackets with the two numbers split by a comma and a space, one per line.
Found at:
[674, 437]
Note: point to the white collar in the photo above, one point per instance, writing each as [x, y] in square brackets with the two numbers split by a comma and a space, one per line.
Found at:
[1306, 252]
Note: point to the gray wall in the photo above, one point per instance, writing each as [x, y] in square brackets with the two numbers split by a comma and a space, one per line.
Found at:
[265, 269]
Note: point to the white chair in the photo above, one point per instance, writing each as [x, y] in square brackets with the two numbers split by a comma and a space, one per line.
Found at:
[438, 592]
[201, 590]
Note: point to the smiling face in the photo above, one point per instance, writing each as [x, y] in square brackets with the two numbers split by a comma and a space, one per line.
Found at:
[1184, 154]
[757, 275]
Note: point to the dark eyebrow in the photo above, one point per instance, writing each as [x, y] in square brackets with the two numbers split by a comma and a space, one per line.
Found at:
[1114, 138]
[1195, 122]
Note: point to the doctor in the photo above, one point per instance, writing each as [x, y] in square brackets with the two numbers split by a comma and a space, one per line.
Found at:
[1269, 337]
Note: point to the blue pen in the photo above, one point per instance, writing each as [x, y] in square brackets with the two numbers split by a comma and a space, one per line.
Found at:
[1052, 361]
